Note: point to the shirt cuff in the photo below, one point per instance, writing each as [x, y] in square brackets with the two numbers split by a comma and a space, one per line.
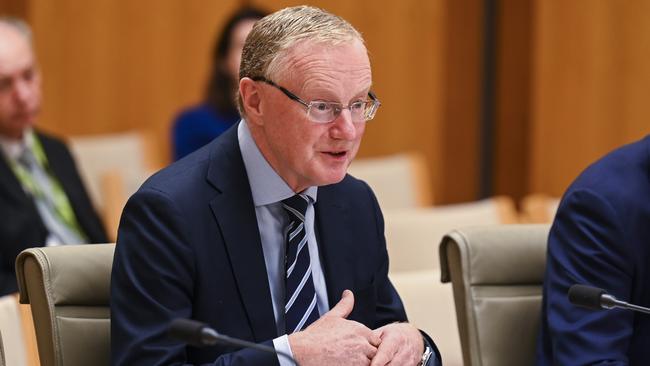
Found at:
[282, 344]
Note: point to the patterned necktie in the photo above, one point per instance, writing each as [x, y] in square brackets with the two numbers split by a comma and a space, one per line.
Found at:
[300, 295]
[43, 194]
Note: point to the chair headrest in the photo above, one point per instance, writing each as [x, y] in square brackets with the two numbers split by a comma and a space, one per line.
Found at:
[71, 274]
[500, 254]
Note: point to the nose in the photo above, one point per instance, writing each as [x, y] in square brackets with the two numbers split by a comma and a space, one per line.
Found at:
[22, 91]
[343, 128]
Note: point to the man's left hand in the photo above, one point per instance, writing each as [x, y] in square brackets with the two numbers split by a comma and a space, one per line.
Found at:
[401, 344]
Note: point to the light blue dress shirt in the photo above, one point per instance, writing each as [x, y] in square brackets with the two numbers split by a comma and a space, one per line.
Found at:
[268, 190]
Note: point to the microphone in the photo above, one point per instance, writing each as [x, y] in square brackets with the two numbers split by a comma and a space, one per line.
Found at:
[597, 299]
[201, 335]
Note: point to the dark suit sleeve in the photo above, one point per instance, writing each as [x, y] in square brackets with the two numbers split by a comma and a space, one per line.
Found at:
[152, 283]
[587, 245]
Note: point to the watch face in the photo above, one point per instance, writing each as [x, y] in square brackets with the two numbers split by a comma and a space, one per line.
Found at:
[425, 356]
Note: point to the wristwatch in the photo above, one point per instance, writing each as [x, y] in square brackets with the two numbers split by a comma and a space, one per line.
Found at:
[425, 356]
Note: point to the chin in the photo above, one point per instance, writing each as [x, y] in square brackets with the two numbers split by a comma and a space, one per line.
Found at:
[332, 179]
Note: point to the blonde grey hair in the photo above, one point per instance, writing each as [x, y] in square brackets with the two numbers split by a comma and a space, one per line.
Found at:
[273, 36]
[19, 25]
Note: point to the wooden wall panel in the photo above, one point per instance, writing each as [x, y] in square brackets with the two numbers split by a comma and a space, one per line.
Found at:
[461, 93]
[112, 66]
[589, 90]
[17, 8]
[115, 65]
[512, 108]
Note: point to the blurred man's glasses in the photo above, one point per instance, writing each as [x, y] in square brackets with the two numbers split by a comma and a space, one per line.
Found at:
[320, 111]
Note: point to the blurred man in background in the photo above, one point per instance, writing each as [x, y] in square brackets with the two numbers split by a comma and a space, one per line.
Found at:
[42, 198]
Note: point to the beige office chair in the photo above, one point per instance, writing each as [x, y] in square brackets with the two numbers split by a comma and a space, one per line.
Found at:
[413, 234]
[429, 305]
[113, 166]
[68, 289]
[399, 180]
[538, 208]
[16, 326]
[496, 274]
[2, 352]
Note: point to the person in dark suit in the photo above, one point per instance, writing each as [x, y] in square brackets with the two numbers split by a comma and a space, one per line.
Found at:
[600, 237]
[42, 197]
[261, 234]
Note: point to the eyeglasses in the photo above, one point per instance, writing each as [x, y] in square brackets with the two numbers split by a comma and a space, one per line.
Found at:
[320, 111]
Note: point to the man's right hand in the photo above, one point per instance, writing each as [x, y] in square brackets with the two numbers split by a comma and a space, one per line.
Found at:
[334, 340]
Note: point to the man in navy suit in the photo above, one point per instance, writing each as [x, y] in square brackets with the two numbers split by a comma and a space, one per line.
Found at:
[261, 234]
[50, 211]
[601, 238]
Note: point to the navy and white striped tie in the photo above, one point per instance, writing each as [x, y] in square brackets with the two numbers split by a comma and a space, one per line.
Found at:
[300, 296]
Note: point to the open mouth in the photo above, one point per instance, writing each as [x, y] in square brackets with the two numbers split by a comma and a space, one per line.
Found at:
[336, 154]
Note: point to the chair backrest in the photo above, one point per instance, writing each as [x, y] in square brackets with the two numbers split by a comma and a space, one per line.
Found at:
[2, 352]
[16, 338]
[113, 166]
[412, 234]
[538, 208]
[430, 306]
[496, 274]
[68, 289]
[98, 154]
[399, 181]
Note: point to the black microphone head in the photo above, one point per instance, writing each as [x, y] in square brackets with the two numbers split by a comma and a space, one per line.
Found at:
[187, 330]
[586, 296]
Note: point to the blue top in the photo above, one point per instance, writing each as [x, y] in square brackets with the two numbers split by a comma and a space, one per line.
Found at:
[600, 238]
[196, 126]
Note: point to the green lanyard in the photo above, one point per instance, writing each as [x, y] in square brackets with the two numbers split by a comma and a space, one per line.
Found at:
[61, 203]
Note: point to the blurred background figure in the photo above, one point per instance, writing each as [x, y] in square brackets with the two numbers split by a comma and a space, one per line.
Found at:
[42, 198]
[200, 124]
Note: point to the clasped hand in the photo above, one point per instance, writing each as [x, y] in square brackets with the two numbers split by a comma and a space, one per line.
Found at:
[335, 340]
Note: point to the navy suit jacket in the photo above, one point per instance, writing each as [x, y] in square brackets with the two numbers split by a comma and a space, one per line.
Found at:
[600, 237]
[189, 247]
[21, 226]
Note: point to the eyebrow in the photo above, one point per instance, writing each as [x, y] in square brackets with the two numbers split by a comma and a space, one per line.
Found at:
[361, 95]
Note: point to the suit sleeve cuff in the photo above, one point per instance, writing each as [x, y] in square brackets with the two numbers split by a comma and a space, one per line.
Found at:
[282, 344]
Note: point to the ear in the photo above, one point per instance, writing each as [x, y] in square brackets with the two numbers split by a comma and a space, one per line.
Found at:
[251, 99]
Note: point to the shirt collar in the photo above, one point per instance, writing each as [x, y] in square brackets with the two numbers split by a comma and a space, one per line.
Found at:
[266, 185]
[13, 148]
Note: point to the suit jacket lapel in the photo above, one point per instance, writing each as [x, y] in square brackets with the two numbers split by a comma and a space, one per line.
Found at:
[59, 164]
[334, 241]
[235, 214]
[9, 182]
[54, 162]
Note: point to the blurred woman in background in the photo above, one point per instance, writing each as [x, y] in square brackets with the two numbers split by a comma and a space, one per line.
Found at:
[200, 124]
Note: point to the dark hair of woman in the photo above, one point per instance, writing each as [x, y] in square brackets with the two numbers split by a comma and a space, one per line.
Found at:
[219, 92]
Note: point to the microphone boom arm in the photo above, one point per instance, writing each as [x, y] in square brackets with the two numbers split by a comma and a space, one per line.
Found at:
[596, 298]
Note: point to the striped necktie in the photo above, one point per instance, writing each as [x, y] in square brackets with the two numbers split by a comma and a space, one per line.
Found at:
[300, 295]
